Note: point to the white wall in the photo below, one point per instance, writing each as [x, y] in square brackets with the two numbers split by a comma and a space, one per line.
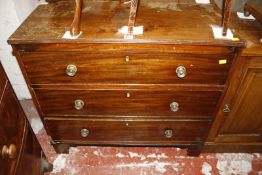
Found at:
[12, 14]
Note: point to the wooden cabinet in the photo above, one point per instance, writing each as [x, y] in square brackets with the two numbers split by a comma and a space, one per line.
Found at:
[245, 117]
[20, 150]
[160, 88]
[240, 128]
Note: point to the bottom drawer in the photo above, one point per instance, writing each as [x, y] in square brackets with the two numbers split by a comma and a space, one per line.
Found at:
[125, 132]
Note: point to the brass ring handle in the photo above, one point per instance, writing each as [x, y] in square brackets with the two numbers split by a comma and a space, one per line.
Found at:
[10, 152]
[169, 133]
[79, 104]
[84, 132]
[71, 70]
[181, 72]
[174, 106]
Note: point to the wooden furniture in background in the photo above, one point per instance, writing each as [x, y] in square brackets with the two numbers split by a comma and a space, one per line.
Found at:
[161, 88]
[20, 150]
[254, 8]
[239, 129]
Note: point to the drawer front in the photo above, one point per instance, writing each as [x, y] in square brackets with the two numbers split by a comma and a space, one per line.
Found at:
[12, 124]
[126, 132]
[183, 104]
[124, 68]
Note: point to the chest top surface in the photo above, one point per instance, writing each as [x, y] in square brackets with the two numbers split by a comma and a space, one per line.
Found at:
[163, 22]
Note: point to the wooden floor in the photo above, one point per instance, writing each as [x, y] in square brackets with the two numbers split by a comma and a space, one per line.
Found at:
[140, 160]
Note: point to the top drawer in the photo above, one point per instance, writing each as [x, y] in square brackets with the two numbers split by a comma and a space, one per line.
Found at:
[126, 68]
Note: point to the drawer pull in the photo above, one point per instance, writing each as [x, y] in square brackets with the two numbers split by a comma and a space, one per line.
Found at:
[10, 152]
[181, 72]
[84, 132]
[169, 133]
[79, 104]
[174, 106]
[226, 108]
[71, 70]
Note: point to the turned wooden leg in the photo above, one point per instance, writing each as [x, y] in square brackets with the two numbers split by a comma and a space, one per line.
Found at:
[62, 148]
[226, 16]
[132, 16]
[194, 151]
[75, 26]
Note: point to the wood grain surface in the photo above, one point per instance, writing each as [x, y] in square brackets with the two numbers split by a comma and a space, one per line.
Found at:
[192, 104]
[126, 68]
[126, 132]
[163, 21]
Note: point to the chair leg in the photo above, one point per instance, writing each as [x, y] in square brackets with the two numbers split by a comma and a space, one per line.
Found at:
[226, 16]
[75, 26]
[132, 16]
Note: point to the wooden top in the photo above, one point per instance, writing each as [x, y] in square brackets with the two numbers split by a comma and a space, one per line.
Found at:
[251, 32]
[164, 21]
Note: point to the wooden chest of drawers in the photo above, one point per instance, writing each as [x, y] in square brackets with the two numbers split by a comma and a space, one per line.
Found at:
[103, 90]
[20, 151]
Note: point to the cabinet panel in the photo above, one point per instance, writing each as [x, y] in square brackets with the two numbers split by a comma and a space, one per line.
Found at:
[246, 115]
[32, 153]
[12, 125]
[243, 124]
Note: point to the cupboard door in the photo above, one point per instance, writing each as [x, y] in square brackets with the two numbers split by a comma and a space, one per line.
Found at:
[12, 125]
[244, 122]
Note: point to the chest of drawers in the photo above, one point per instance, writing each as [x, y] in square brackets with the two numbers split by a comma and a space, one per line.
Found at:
[103, 90]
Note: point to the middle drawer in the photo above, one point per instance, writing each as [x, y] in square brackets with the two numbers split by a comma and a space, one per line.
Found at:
[133, 103]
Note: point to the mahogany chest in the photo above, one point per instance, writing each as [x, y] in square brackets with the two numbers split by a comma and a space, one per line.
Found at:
[161, 88]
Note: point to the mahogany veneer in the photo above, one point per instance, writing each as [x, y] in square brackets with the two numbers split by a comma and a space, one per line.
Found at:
[140, 68]
[162, 88]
